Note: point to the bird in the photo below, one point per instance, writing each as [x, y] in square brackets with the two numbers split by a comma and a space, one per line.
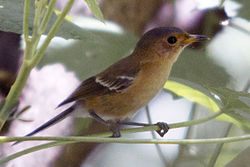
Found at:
[117, 93]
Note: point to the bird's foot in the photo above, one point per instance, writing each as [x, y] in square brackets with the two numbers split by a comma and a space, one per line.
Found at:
[116, 131]
[163, 128]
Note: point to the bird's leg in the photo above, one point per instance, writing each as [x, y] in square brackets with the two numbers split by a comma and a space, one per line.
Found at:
[114, 127]
[162, 125]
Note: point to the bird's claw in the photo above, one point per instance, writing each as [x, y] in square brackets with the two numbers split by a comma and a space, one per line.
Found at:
[163, 128]
[115, 130]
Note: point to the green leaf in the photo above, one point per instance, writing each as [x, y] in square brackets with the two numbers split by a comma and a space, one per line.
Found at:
[11, 19]
[230, 101]
[192, 94]
[95, 9]
[88, 57]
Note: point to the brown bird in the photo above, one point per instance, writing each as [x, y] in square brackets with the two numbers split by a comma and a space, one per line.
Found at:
[119, 91]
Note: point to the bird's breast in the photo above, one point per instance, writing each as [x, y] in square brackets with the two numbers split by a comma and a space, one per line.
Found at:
[150, 81]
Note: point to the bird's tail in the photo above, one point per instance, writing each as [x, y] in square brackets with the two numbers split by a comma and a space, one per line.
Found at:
[54, 120]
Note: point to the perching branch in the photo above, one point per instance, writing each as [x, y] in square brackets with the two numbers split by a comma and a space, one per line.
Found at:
[71, 140]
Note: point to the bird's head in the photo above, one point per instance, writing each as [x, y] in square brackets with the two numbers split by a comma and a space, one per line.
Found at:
[166, 42]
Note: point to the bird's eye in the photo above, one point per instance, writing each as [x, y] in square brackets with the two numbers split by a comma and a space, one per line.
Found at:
[172, 40]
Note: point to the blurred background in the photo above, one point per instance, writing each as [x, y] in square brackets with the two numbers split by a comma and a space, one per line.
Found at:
[224, 61]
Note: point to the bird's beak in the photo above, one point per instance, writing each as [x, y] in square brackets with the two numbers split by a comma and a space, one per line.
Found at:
[194, 38]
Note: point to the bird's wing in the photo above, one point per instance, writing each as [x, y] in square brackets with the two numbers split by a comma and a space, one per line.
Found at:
[97, 86]
[115, 79]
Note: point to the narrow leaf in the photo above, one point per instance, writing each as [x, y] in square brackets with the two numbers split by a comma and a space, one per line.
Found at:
[191, 94]
[229, 98]
[95, 9]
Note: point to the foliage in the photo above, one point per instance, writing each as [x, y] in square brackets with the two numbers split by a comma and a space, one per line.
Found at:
[204, 86]
[215, 99]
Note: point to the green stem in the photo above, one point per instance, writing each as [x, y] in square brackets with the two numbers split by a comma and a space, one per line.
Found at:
[26, 20]
[25, 69]
[129, 140]
[39, 30]
[36, 23]
[157, 146]
[70, 140]
[38, 8]
[218, 148]
[182, 148]
[102, 138]
[15, 92]
[136, 130]
[39, 54]
[32, 149]
[27, 65]
[19, 83]
[48, 15]
[194, 122]
[155, 127]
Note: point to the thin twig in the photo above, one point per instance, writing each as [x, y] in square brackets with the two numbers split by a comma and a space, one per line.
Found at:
[70, 140]
[40, 53]
[26, 20]
[133, 130]
[48, 15]
[218, 148]
[157, 146]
